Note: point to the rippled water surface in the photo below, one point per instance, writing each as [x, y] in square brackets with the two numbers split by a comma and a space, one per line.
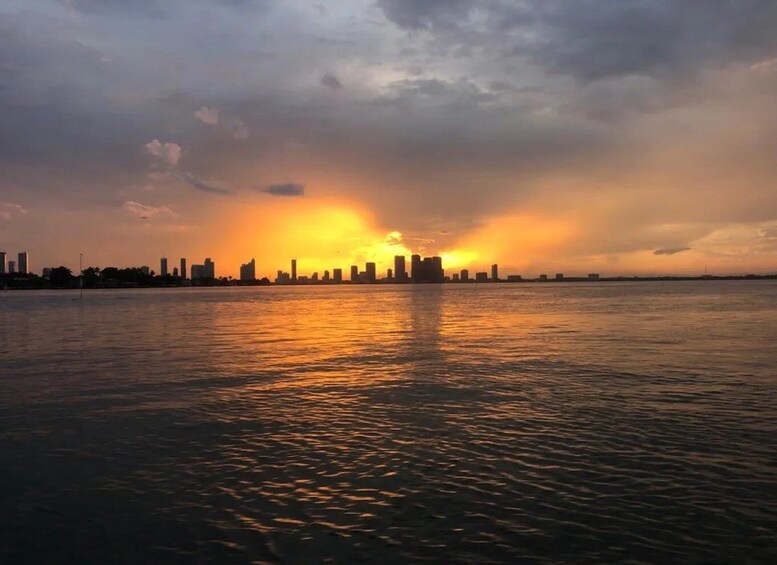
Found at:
[491, 423]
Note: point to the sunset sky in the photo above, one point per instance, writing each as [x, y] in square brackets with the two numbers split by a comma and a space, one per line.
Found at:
[616, 136]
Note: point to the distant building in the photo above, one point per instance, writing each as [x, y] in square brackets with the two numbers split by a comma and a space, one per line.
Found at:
[455, 277]
[354, 273]
[325, 278]
[145, 270]
[175, 272]
[294, 270]
[400, 272]
[11, 267]
[248, 271]
[464, 275]
[514, 278]
[371, 273]
[210, 269]
[46, 273]
[494, 272]
[415, 267]
[481, 277]
[559, 276]
[314, 277]
[183, 268]
[337, 276]
[593, 276]
[427, 270]
[163, 267]
[543, 277]
[390, 274]
[282, 278]
[3, 262]
[24, 263]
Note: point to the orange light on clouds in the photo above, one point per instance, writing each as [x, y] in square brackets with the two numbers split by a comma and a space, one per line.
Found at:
[320, 234]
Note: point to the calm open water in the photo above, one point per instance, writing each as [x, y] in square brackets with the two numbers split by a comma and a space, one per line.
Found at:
[492, 423]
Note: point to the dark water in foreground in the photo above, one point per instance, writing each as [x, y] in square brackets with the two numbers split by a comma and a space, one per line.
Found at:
[568, 423]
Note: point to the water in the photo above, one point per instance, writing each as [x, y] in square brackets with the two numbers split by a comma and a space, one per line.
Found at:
[492, 423]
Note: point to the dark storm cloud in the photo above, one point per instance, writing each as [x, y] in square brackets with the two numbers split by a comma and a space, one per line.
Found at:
[286, 189]
[671, 250]
[594, 39]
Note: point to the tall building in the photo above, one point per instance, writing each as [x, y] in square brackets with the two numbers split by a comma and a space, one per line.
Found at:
[337, 276]
[464, 275]
[3, 262]
[210, 269]
[248, 271]
[427, 270]
[11, 267]
[481, 277]
[24, 263]
[326, 278]
[294, 270]
[183, 268]
[371, 273]
[400, 274]
[163, 267]
[354, 273]
[494, 272]
[175, 272]
[415, 267]
[390, 274]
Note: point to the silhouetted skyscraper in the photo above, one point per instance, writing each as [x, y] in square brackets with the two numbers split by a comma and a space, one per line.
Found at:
[248, 271]
[11, 267]
[183, 268]
[438, 275]
[294, 270]
[354, 273]
[371, 272]
[175, 272]
[337, 276]
[163, 267]
[24, 263]
[3, 262]
[494, 272]
[415, 267]
[210, 269]
[464, 275]
[400, 272]
[390, 274]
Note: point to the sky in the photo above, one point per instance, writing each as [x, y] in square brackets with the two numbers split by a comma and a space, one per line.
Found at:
[575, 136]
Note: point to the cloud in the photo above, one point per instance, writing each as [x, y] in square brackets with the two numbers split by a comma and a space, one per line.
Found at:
[331, 82]
[287, 189]
[145, 211]
[201, 185]
[425, 14]
[394, 238]
[208, 116]
[8, 210]
[670, 250]
[237, 129]
[169, 153]
[234, 127]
